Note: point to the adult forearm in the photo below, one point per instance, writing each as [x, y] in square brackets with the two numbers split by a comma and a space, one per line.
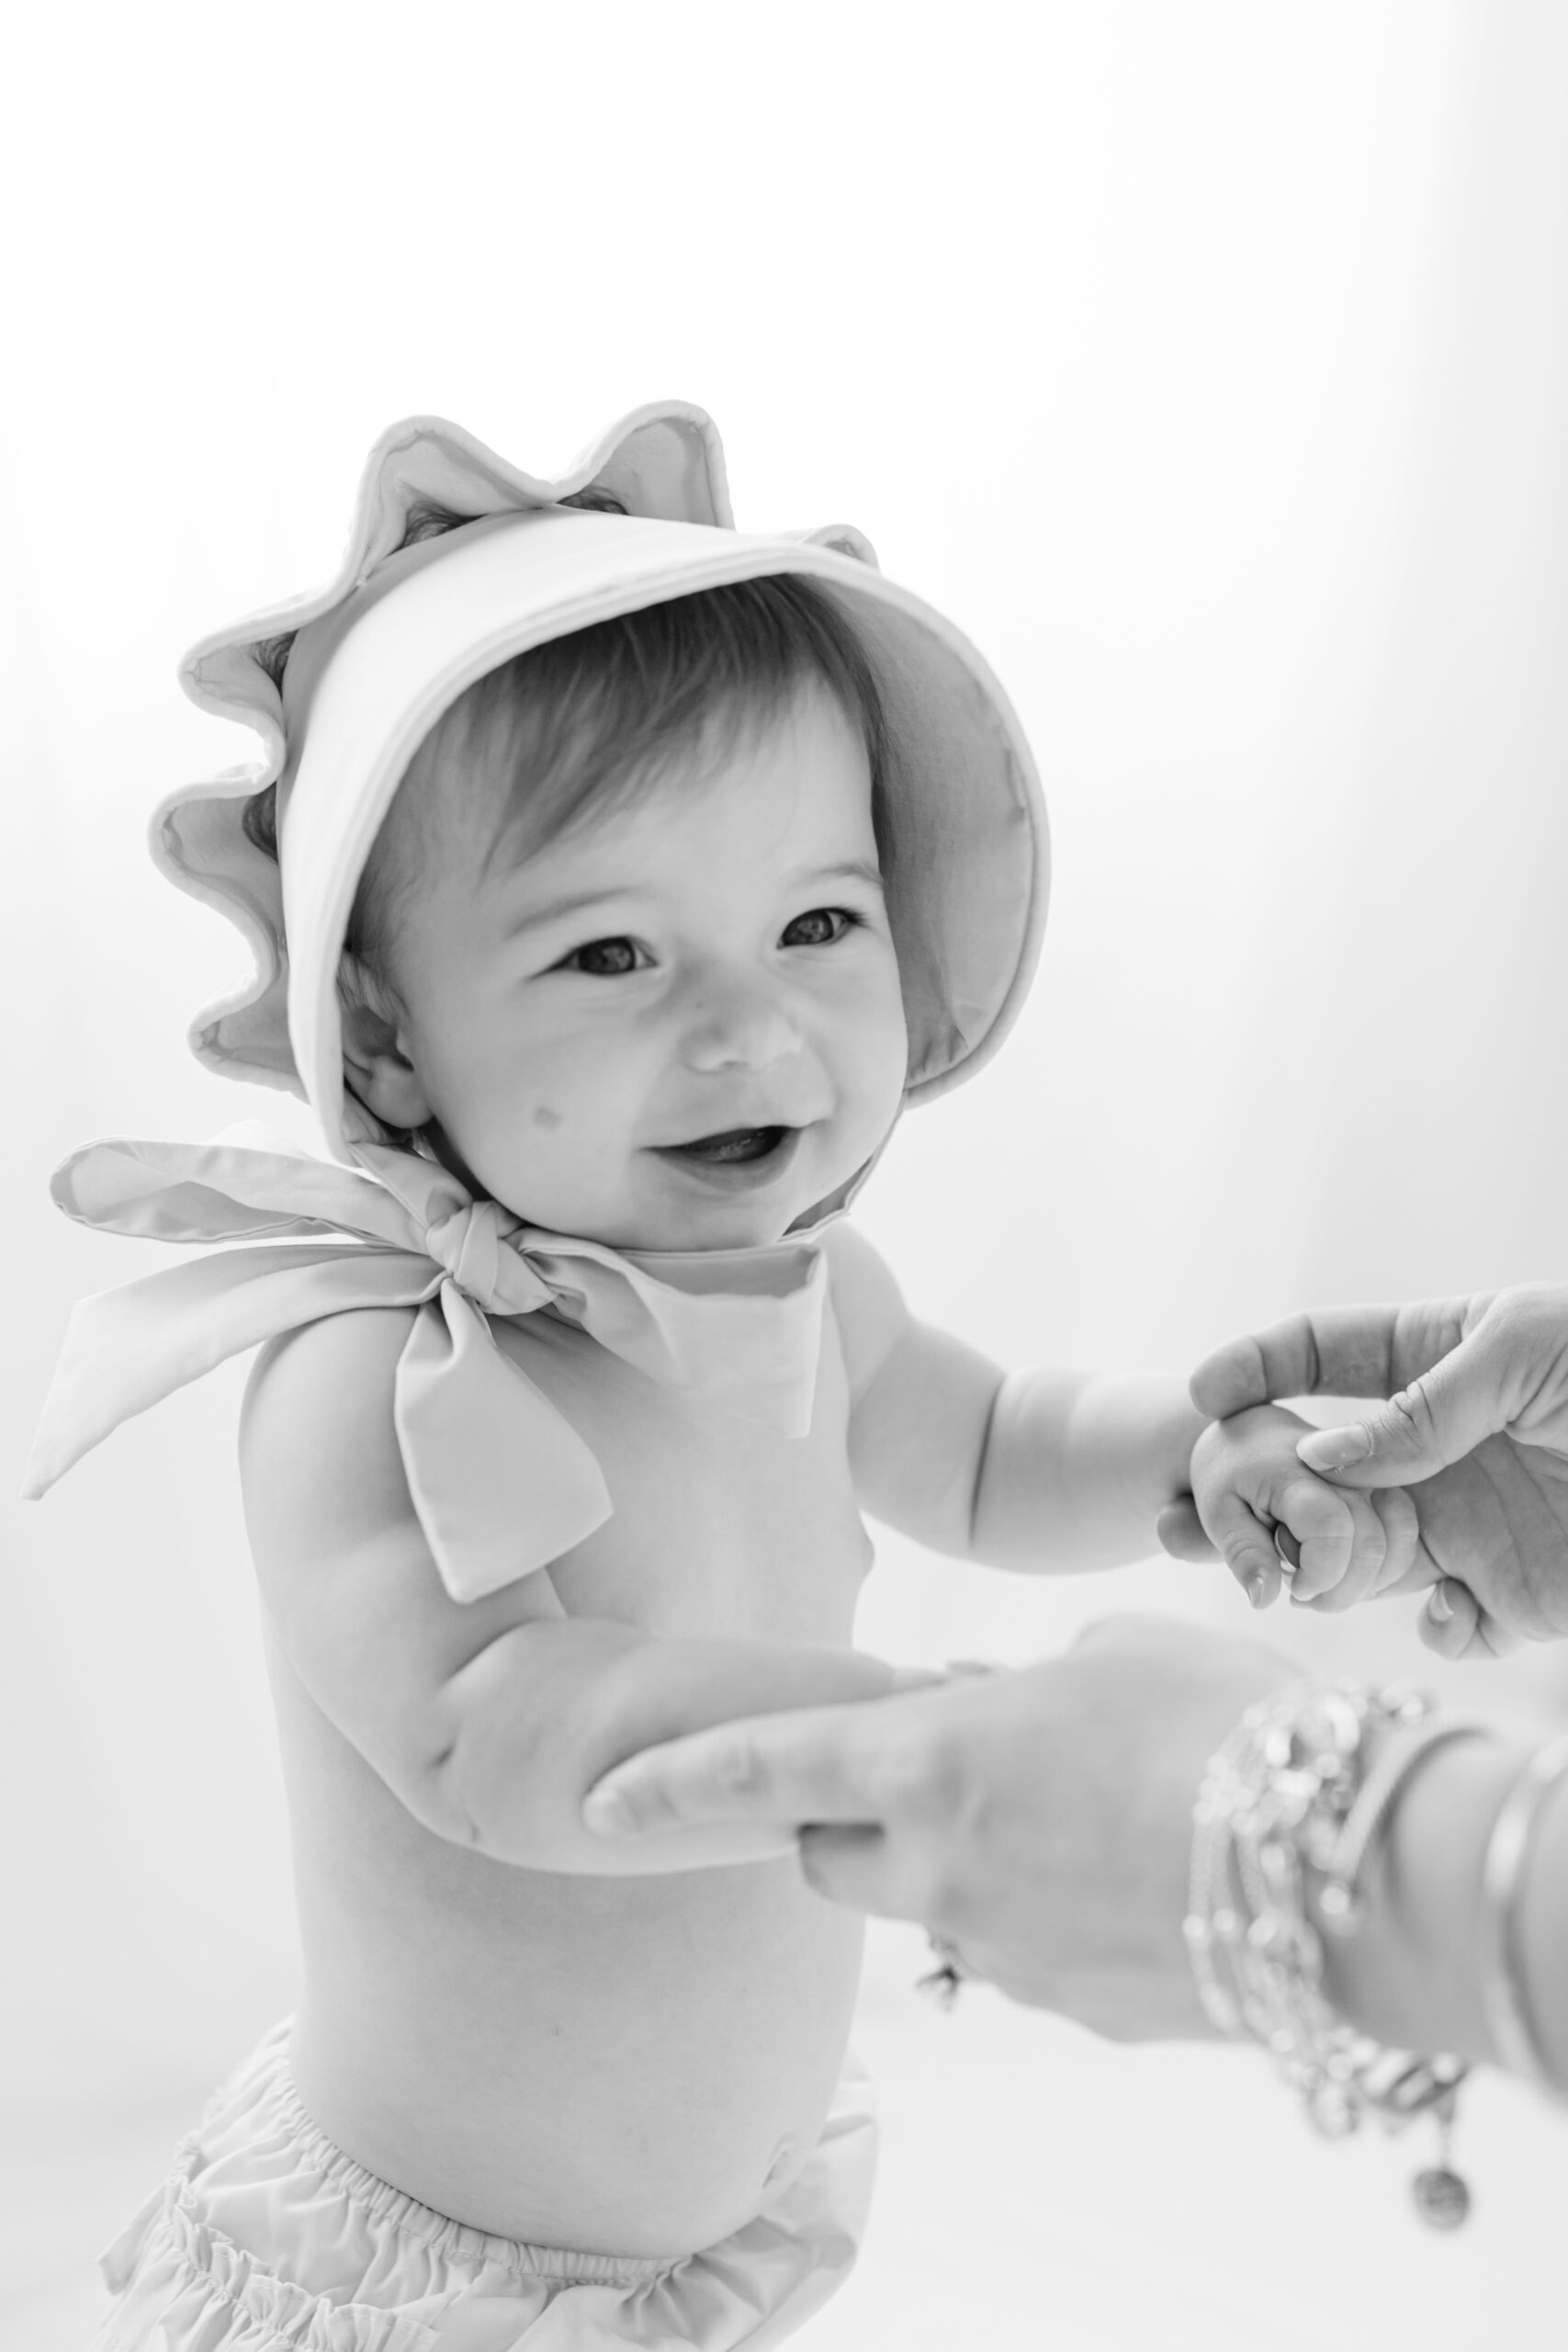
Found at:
[541, 1714]
[1412, 1976]
[1077, 1469]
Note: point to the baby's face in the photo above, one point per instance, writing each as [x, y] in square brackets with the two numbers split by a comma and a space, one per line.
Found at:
[678, 1026]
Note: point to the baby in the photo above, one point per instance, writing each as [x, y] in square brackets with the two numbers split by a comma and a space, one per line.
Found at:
[615, 880]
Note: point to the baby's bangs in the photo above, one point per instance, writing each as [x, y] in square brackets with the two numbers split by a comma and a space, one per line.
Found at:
[574, 729]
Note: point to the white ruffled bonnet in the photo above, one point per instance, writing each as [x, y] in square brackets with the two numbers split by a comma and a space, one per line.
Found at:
[381, 653]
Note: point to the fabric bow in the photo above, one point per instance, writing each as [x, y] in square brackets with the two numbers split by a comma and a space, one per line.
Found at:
[502, 1482]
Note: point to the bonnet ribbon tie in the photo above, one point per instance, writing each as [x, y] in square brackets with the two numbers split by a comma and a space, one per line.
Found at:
[500, 1482]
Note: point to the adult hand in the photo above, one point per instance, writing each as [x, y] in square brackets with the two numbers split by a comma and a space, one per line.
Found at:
[1474, 1422]
[1042, 1819]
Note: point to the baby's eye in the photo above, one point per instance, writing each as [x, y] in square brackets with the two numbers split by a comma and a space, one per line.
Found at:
[820, 928]
[601, 958]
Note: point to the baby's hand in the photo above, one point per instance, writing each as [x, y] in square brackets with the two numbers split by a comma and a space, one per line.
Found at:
[1247, 1482]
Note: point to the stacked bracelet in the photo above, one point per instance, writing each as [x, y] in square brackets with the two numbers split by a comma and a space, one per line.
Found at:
[1306, 1783]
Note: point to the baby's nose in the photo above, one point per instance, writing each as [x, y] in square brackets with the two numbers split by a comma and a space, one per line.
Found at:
[733, 1025]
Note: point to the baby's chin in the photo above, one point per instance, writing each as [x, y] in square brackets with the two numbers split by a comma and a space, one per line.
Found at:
[659, 1218]
[652, 1231]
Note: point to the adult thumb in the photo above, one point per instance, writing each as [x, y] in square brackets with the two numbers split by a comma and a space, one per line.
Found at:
[1466, 1397]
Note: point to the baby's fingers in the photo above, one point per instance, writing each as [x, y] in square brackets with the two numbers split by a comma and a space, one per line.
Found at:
[1247, 1546]
[1401, 1536]
[1342, 1543]
[1179, 1532]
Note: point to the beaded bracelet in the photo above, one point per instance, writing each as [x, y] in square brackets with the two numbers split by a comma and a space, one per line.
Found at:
[1307, 1782]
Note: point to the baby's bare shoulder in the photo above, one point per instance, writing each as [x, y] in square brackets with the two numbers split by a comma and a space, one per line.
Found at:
[344, 1569]
[867, 1304]
[339, 1371]
[363, 1343]
[320, 1463]
[346, 1574]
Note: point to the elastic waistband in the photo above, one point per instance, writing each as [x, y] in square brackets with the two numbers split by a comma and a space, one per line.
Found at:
[263, 2081]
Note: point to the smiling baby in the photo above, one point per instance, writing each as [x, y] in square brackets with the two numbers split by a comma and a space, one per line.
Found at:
[615, 880]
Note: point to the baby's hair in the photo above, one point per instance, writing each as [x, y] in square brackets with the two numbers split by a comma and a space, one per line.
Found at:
[573, 727]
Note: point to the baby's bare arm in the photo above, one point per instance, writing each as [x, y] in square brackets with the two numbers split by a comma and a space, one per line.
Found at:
[1078, 1467]
[539, 1716]
[1038, 1471]
[488, 1720]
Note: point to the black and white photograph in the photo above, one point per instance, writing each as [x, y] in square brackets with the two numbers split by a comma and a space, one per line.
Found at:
[786, 1476]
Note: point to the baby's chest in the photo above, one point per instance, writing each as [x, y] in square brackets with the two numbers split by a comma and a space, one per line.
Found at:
[721, 1526]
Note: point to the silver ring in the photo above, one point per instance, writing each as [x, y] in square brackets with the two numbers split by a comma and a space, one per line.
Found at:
[943, 1984]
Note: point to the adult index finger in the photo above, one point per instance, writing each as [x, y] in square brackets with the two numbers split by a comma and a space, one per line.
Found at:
[811, 1766]
[1330, 1352]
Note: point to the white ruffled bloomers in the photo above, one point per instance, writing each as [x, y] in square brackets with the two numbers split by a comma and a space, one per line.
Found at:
[267, 2237]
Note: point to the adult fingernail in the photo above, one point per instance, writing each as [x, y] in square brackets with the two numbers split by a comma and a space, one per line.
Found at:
[1439, 1609]
[1258, 1590]
[1335, 1448]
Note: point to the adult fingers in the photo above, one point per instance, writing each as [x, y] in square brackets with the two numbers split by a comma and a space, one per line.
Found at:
[1231, 1378]
[1466, 1397]
[1180, 1532]
[1451, 1620]
[857, 1868]
[1336, 1350]
[1455, 1624]
[1496, 1639]
[815, 1765]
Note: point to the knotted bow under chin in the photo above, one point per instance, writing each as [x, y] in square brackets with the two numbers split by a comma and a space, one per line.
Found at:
[500, 1482]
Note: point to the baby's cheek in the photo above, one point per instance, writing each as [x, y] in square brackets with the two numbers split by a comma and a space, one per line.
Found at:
[558, 1155]
[880, 1059]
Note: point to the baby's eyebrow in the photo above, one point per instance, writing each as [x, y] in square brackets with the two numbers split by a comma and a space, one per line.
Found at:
[558, 910]
[849, 869]
[576, 902]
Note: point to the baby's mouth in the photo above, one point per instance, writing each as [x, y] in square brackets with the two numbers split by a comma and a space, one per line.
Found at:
[733, 1147]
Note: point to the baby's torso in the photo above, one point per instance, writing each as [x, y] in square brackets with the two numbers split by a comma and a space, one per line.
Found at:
[625, 2064]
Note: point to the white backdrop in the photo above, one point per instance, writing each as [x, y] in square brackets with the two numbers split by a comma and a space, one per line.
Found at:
[1209, 363]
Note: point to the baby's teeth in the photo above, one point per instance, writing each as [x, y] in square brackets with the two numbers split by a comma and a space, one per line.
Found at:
[736, 1143]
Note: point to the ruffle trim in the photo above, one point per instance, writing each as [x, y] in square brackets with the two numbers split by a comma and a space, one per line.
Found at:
[182, 2282]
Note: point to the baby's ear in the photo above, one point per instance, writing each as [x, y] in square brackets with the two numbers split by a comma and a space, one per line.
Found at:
[376, 1066]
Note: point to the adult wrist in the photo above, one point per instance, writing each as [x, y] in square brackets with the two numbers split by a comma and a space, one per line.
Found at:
[1543, 1939]
[1521, 1955]
[1412, 1976]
